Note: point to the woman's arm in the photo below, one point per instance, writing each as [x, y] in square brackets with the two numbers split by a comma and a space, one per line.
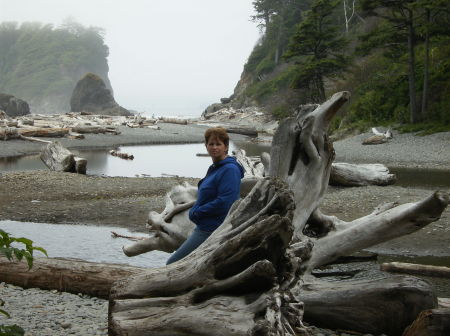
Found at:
[227, 193]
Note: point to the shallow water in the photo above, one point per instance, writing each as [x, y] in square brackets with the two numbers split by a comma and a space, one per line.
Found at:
[91, 243]
[149, 160]
[95, 244]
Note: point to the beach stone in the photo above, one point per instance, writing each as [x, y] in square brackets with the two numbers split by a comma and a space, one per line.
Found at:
[13, 106]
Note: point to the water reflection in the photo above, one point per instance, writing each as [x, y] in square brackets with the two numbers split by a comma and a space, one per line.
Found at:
[182, 160]
[91, 243]
[429, 178]
[149, 160]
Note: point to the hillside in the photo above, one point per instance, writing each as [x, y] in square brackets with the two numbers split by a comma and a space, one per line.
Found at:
[41, 64]
[394, 58]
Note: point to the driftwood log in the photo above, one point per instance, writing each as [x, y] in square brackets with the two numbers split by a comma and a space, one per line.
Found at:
[15, 133]
[178, 121]
[427, 270]
[369, 307]
[58, 158]
[249, 131]
[166, 300]
[354, 175]
[66, 275]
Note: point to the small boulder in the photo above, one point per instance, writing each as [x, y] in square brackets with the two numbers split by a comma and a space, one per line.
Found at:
[91, 95]
[13, 107]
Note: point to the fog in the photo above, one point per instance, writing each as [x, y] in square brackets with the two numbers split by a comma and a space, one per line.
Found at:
[166, 57]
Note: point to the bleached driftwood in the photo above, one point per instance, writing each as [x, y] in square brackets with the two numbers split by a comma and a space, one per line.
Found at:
[95, 129]
[15, 133]
[170, 228]
[408, 268]
[387, 134]
[234, 278]
[178, 121]
[58, 158]
[253, 167]
[301, 156]
[351, 175]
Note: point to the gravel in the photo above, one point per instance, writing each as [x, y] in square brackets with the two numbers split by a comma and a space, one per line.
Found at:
[403, 150]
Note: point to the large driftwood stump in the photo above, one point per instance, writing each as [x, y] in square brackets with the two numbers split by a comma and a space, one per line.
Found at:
[165, 301]
[237, 283]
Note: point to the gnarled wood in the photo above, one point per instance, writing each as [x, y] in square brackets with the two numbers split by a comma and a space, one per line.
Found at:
[302, 157]
[386, 222]
[236, 283]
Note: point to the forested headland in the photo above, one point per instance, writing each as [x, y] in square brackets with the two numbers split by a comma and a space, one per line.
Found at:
[41, 64]
[393, 56]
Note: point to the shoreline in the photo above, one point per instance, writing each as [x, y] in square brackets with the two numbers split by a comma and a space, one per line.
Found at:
[402, 151]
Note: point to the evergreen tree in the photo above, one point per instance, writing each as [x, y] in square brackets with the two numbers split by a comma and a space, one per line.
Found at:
[318, 48]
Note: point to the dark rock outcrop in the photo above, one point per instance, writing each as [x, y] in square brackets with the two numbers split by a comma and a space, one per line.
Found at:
[91, 95]
[14, 107]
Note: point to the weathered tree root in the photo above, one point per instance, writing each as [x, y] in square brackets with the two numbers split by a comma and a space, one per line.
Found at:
[239, 279]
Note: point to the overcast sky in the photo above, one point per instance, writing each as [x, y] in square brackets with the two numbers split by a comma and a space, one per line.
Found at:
[167, 57]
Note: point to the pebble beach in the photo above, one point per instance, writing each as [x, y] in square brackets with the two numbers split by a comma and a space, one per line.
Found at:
[43, 313]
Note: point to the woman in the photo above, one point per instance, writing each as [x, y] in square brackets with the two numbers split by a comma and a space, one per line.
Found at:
[217, 191]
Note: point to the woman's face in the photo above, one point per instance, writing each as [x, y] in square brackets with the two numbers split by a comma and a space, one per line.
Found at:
[216, 149]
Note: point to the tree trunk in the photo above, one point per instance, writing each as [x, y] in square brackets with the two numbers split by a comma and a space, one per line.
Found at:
[414, 117]
[426, 64]
[68, 275]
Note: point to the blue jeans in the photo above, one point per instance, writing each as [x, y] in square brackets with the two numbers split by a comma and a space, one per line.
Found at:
[196, 238]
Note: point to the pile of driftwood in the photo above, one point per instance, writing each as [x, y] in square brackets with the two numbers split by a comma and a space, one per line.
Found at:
[73, 125]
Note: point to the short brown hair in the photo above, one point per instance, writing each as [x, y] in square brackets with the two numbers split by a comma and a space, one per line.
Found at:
[219, 133]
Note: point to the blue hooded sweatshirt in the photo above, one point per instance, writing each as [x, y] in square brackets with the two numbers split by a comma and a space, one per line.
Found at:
[216, 193]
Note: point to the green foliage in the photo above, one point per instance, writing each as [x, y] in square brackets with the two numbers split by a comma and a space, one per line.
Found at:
[11, 252]
[13, 330]
[8, 249]
[40, 63]
[263, 89]
[423, 128]
[379, 73]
